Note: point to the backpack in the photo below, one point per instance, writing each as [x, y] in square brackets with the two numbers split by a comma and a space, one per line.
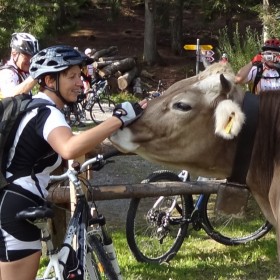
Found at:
[12, 110]
[259, 76]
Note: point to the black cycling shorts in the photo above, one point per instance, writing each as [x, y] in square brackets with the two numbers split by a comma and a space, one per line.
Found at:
[18, 238]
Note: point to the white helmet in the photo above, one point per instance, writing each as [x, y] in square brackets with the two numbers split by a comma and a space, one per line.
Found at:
[24, 43]
[88, 51]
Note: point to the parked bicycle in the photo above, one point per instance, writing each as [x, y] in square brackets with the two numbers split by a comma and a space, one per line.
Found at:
[87, 252]
[96, 103]
[155, 93]
[157, 226]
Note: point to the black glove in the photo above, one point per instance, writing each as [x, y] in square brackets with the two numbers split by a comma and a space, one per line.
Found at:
[127, 112]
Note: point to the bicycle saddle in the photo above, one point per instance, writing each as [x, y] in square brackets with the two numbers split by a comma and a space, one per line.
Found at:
[35, 213]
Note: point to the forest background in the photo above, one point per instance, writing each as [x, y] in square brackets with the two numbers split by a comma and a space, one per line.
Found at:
[153, 31]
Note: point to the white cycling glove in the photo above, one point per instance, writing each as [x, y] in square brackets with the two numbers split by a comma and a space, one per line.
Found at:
[127, 112]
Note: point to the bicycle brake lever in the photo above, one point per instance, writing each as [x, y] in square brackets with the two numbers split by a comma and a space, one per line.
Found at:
[100, 164]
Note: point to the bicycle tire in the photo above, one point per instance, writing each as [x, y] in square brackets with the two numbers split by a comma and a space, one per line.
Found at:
[98, 262]
[143, 232]
[72, 115]
[231, 230]
[101, 110]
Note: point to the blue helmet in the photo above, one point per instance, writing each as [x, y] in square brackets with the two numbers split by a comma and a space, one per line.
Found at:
[56, 59]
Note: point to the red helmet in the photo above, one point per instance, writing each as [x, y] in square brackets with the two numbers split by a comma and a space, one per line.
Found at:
[271, 45]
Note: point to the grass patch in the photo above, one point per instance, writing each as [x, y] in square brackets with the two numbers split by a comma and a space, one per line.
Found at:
[202, 258]
[124, 96]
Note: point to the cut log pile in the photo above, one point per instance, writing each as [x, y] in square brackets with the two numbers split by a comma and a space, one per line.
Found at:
[121, 71]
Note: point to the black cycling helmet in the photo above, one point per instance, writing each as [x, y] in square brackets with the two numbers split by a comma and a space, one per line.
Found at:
[24, 43]
[56, 59]
[271, 45]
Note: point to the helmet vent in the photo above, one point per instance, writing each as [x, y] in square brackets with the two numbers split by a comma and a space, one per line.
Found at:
[52, 63]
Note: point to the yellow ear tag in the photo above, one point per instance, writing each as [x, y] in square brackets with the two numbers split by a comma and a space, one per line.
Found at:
[229, 124]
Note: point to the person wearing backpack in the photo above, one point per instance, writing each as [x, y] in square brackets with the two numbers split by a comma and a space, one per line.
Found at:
[14, 75]
[263, 72]
[41, 140]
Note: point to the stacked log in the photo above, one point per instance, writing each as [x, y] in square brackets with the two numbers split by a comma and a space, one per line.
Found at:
[122, 71]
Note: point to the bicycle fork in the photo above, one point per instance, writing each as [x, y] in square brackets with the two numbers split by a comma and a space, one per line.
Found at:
[107, 241]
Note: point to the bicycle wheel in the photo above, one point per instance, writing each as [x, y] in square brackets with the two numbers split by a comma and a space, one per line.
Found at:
[155, 227]
[232, 230]
[98, 264]
[72, 114]
[101, 110]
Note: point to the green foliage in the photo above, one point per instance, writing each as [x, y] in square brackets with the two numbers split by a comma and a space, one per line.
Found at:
[244, 47]
[124, 96]
[270, 19]
[40, 18]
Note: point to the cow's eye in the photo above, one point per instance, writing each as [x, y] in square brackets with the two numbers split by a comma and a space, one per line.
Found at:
[182, 106]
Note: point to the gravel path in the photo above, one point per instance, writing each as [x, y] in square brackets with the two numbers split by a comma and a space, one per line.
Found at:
[125, 170]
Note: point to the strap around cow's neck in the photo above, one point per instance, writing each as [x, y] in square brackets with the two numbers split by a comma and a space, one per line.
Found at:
[246, 139]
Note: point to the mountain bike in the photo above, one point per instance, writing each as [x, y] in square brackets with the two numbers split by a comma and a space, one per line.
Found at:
[96, 103]
[155, 93]
[87, 251]
[99, 103]
[157, 226]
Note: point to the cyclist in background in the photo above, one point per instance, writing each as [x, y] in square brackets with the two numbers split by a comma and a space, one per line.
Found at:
[263, 72]
[42, 139]
[224, 58]
[87, 72]
[14, 75]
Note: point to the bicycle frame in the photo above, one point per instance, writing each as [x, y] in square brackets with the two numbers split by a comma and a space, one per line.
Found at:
[82, 225]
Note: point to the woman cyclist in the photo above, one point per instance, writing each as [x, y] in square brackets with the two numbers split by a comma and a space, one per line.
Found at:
[42, 139]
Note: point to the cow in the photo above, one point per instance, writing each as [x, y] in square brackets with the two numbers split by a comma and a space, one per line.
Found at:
[195, 125]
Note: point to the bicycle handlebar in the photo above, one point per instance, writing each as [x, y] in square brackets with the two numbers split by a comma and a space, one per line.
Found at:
[101, 161]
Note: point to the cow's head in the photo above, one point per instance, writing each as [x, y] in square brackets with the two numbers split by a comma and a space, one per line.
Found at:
[193, 125]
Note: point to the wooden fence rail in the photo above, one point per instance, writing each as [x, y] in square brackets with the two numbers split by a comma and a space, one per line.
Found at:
[110, 192]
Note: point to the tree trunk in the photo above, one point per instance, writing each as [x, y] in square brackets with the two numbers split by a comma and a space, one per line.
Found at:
[150, 51]
[125, 80]
[101, 64]
[176, 28]
[265, 27]
[111, 58]
[105, 52]
[122, 65]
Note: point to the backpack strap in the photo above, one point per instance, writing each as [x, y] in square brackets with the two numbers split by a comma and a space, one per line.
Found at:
[258, 76]
[27, 104]
[15, 70]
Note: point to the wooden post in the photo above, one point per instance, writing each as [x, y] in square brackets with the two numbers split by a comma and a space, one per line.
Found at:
[80, 159]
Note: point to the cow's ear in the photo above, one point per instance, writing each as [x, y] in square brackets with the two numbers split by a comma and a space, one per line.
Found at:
[226, 85]
[229, 119]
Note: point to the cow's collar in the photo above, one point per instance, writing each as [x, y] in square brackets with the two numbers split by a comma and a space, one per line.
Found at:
[246, 139]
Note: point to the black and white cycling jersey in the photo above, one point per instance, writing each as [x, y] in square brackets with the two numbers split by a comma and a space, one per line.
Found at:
[28, 165]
